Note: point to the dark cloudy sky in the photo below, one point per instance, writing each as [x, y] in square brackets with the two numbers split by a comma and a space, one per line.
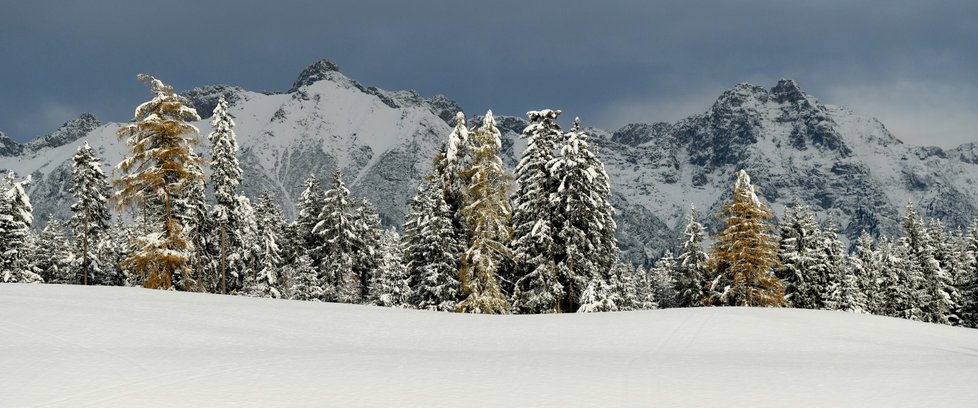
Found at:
[913, 64]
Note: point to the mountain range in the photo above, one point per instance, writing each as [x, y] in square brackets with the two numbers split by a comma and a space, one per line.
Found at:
[846, 166]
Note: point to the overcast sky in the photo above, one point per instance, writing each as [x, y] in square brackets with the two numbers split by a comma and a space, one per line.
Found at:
[912, 64]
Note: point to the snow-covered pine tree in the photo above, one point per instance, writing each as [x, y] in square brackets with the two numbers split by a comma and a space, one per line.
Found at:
[646, 290]
[900, 280]
[584, 217]
[157, 174]
[969, 279]
[306, 284]
[449, 163]
[338, 237]
[690, 277]
[537, 288]
[865, 268]
[487, 214]
[662, 280]
[745, 252]
[193, 212]
[52, 258]
[115, 247]
[309, 207]
[597, 297]
[949, 263]
[366, 249]
[802, 256]
[935, 286]
[16, 217]
[90, 219]
[389, 287]
[269, 226]
[625, 286]
[225, 177]
[431, 250]
[843, 291]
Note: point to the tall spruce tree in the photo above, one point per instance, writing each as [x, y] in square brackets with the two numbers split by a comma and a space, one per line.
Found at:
[157, 175]
[969, 279]
[537, 287]
[584, 217]
[367, 255]
[802, 256]
[691, 276]
[842, 291]
[339, 238]
[91, 217]
[52, 258]
[663, 283]
[16, 217]
[431, 249]
[930, 280]
[865, 268]
[487, 213]
[389, 286]
[225, 177]
[745, 253]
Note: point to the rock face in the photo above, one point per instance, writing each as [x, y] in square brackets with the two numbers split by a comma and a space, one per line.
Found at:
[794, 147]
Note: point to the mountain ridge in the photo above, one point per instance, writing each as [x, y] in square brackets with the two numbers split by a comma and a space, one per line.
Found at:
[796, 148]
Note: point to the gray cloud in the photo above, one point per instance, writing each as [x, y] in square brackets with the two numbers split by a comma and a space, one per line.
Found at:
[608, 63]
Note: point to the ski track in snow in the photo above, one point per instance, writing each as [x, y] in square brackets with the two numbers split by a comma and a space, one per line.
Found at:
[72, 346]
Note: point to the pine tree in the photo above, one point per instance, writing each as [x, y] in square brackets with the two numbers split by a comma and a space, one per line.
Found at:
[366, 249]
[745, 252]
[338, 236]
[865, 268]
[487, 214]
[662, 281]
[597, 297]
[803, 271]
[389, 287]
[193, 214]
[269, 227]
[690, 278]
[584, 217]
[16, 217]
[931, 281]
[625, 287]
[646, 290]
[157, 176]
[309, 207]
[225, 177]
[537, 286]
[431, 250]
[842, 292]
[91, 214]
[305, 280]
[969, 280]
[113, 251]
[52, 258]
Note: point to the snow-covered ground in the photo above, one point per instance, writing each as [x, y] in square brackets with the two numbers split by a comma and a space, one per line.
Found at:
[71, 346]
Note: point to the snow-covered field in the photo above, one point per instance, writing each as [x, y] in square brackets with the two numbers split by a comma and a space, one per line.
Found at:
[71, 346]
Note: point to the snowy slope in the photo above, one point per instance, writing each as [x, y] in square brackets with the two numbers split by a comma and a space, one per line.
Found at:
[71, 346]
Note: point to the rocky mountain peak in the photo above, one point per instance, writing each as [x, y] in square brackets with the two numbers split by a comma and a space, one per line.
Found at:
[787, 91]
[69, 132]
[8, 147]
[318, 71]
[635, 134]
[204, 99]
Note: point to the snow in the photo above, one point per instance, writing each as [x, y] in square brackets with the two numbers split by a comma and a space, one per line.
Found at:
[72, 346]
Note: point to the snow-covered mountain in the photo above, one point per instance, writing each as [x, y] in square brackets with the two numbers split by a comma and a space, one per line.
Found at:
[793, 146]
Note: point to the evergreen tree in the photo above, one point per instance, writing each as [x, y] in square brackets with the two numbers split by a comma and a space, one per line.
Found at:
[745, 252]
[843, 291]
[625, 287]
[309, 207]
[932, 283]
[431, 254]
[597, 297]
[900, 280]
[16, 217]
[535, 248]
[366, 249]
[865, 268]
[487, 214]
[157, 175]
[584, 216]
[225, 177]
[969, 280]
[91, 214]
[193, 213]
[269, 231]
[305, 280]
[52, 258]
[690, 278]
[803, 270]
[662, 281]
[339, 237]
[389, 287]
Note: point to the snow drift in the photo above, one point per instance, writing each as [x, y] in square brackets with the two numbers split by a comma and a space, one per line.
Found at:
[71, 346]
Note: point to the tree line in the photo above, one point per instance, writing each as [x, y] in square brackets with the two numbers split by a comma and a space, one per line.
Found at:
[468, 244]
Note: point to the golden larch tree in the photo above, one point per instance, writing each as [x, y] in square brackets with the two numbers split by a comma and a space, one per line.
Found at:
[745, 253]
[157, 175]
